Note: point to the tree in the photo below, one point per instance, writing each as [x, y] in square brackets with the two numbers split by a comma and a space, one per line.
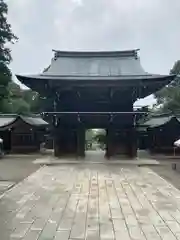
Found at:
[33, 100]
[22, 101]
[176, 68]
[89, 135]
[16, 102]
[168, 98]
[100, 136]
[6, 36]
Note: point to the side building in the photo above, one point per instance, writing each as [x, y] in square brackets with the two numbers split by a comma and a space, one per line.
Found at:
[159, 133]
[22, 134]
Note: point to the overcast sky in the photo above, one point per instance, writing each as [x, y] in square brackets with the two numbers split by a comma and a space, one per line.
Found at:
[43, 25]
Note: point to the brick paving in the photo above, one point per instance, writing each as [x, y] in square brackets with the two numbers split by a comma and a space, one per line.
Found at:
[78, 202]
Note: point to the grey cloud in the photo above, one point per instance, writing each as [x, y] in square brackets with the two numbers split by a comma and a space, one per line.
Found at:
[149, 25]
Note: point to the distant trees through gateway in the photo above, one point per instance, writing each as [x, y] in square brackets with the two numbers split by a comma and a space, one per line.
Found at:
[95, 138]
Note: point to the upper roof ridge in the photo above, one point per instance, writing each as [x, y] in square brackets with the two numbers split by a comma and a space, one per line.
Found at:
[124, 53]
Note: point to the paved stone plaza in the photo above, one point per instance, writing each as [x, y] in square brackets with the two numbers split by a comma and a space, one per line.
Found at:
[91, 201]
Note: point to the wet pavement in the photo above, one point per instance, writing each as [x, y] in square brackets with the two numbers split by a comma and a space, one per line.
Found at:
[16, 168]
[5, 185]
[91, 201]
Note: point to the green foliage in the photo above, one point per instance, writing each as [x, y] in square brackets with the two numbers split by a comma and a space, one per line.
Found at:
[142, 114]
[176, 68]
[22, 101]
[100, 137]
[13, 99]
[16, 102]
[169, 97]
[33, 99]
[6, 36]
[95, 135]
[89, 135]
[19, 106]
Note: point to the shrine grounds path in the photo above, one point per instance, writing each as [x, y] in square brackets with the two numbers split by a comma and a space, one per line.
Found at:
[14, 169]
[92, 202]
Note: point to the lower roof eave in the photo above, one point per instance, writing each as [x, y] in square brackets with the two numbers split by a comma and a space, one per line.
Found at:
[82, 80]
[96, 78]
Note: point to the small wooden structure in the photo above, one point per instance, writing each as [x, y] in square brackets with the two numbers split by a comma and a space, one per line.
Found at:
[22, 134]
[161, 133]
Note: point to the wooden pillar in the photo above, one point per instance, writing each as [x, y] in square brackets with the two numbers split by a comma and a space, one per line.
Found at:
[65, 141]
[121, 142]
[81, 142]
[57, 143]
[132, 142]
[109, 143]
[57, 151]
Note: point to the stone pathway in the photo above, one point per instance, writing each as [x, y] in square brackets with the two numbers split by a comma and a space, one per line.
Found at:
[92, 202]
[5, 185]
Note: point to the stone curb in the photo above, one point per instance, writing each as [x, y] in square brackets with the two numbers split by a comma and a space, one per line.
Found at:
[138, 163]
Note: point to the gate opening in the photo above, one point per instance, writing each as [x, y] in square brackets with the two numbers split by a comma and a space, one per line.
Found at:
[95, 140]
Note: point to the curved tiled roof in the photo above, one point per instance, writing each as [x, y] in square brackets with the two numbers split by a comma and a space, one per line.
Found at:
[8, 120]
[34, 121]
[100, 65]
[113, 68]
[157, 121]
[95, 64]
[124, 53]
